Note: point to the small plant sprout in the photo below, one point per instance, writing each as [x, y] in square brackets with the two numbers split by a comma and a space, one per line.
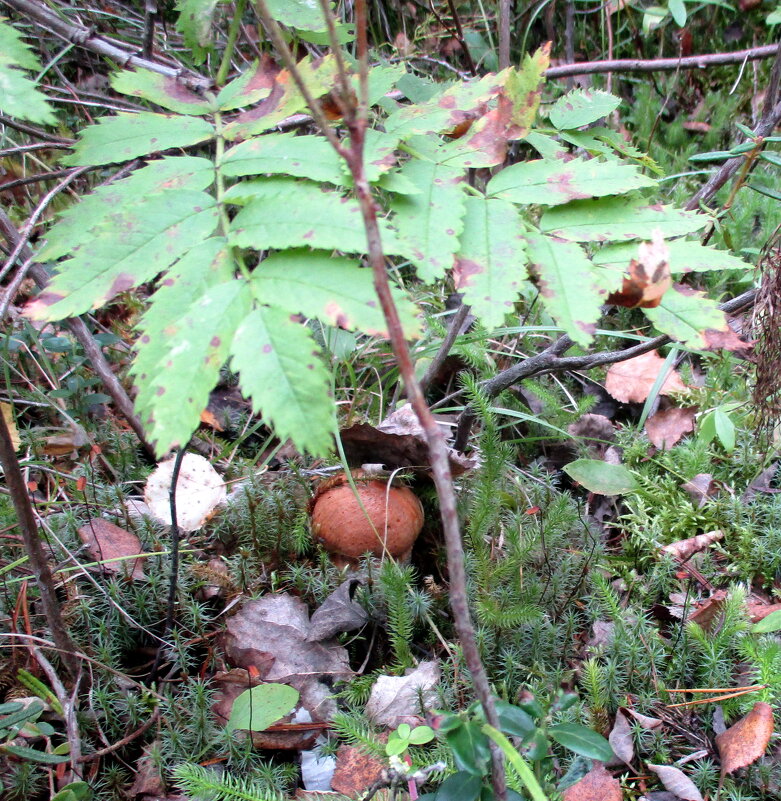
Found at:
[405, 736]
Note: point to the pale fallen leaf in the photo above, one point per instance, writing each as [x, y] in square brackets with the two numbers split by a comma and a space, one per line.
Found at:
[620, 738]
[8, 415]
[106, 541]
[676, 781]
[632, 380]
[199, 490]
[596, 784]
[645, 721]
[701, 488]
[338, 613]
[394, 698]
[683, 549]
[667, 426]
[745, 742]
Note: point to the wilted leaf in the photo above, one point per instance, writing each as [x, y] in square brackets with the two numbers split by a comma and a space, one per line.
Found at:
[105, 541]
[600, 477]
[745, 741]
[667, 426]
[394, 698]
[631, 381]
[676, 781]
[339, 612]
[596, 784]
[621, 740]
[199, 490]
[683, 549]
[685, 314]
[701, 488]
[162, 90]
[581, 107]
[8, 415]
[645, 721]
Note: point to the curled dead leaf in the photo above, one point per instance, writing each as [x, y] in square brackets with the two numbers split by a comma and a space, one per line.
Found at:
[745, 742]
[631, 381]
[683, 549]
[620, 738]
[701, 488]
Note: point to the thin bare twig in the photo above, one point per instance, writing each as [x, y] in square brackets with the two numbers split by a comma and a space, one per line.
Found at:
[504, 34]
[444, 349]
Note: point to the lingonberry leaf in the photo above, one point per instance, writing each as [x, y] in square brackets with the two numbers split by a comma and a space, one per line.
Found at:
[490, 265]
[567, 284]
[127, 249]
[163, 90]
[281, 370]
[685, 314]
[127, 136]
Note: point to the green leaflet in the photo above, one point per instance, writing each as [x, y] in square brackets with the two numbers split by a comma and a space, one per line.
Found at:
[428, 224]
[615, 218]
[127, 136]
[19, 96]
[252, 85]
[309, 157]
[306, 15]
[335, 290]
[77, 224]
[685, 257]
[170, 402]
[567, 287]
[491, 263]
[195, 23]
[600, 478]
[162, 90]
[379, 154]
[127, 249]
[209, 263]
[685, 314]
[582, 107]
[283, 213]
[552, 182]
[281, 370]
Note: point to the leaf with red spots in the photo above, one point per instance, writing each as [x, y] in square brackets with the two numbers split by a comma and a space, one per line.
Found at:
[127, 249]
[567, 285]
[490, 267]
[552, 182]
[163, 90]
[335, 290]
[126, 136]
[170, 401]
[685, 314]
[281, 370]
[612, 219]
[429, 223]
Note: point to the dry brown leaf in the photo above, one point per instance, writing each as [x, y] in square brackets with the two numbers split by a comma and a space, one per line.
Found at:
[595, 427]
[708, 613]
[106, 541]
[596, 784]
[8, 415]
[338, 613]
[683, 549]
[701, 488]
[676, 781]
[667, 426]
[356, 771]
[647, 277]
[631, 381]
[727, 340]
[745, 741]
[759, 610]
[645, 721]
[394, 699]
[208, 419]
[620, 738]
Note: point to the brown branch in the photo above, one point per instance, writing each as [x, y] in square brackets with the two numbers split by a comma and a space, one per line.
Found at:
[447, 343]
[33, 547]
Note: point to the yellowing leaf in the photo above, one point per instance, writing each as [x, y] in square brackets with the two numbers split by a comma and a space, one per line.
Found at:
[8, 415]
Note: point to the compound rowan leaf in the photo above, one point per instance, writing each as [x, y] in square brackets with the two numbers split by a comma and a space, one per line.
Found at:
[19, 96]
[130, 247]
[252, 85]
[615, 218]
[552, 181]
[582, 107]
[685, 314]
[429, 223]
[78, 223]
[163, 90]
[281, 370]
[490, 266]
[335, 290]
[195, 24]
[171, 399]
[567, 286]
[684, 257]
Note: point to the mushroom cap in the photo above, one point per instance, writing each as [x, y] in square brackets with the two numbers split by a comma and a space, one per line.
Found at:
[340, 525]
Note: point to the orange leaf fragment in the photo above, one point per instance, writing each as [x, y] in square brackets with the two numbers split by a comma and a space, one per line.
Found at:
[632, 380]
[667, 426]
[647, 278]
[745, 741]
[597, 783]
[106, 541]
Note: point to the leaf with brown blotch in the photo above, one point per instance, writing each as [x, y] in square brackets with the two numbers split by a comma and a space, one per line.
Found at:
[701, 488]
[647, 278]
[631, 380]
[620, 738]
[745, 741]
[106, 541]
[683, 549]
[667, 426]
[597, 783]
[676, 782]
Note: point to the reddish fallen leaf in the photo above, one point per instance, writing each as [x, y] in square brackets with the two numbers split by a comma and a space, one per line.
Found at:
[356, 771]
[683, 549]
[745, 742]
[596, 784]
[706, 613]
[104, 541]
[647, 277]
[208, 419]
[631, 381]
[701, 488]
[667, 426]
[676, 782]
[727, 340]
[621, 740]
[758, 610]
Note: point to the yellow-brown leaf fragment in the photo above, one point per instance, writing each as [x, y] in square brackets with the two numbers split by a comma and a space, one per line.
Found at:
[745, 741]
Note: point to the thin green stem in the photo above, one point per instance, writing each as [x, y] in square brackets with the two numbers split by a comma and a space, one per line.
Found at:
[230, 45]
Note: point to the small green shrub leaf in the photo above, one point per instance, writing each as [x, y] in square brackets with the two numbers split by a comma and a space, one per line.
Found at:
[581, 740]
[615, 218]
[685, 257]
[162, 90]
[513, 720]
[19, 96]
[768, 624]
[470, 748]
[126, 136]
[685, 314]
[489, 268]
[582, 107]
[600, 478]
[281, 370]
[461, 786]
[257, 708]
[725, 429]
[567, 286]
[305, 15]
[33, 755]
[552, 182]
